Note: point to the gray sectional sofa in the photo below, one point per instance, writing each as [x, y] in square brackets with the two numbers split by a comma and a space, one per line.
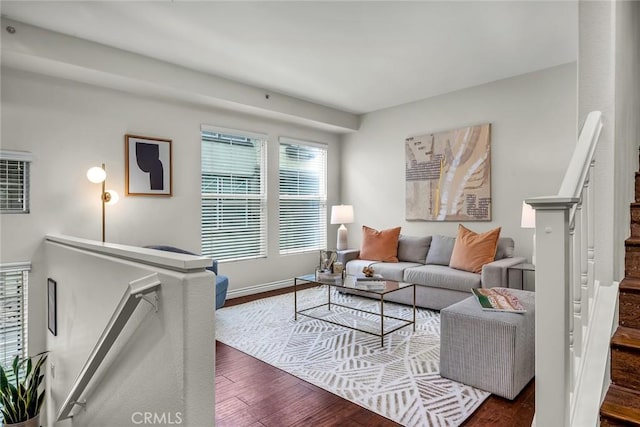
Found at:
[425, 262]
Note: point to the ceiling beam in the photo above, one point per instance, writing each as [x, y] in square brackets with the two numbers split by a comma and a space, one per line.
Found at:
[46, 52]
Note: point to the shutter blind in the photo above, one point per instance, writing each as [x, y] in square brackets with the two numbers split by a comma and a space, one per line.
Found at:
[233, 196]
[14, 182]
[303, 197]
[13, 311]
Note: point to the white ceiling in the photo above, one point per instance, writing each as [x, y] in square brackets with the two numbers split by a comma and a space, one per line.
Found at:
[354, 56]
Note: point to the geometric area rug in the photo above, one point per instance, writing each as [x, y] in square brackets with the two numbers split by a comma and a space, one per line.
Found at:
[399, 381]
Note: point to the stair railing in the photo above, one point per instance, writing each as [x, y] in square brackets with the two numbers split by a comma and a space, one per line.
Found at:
[136, 291]
[565, 280]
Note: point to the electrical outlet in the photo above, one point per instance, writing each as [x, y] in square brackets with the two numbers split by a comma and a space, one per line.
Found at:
[53, 370]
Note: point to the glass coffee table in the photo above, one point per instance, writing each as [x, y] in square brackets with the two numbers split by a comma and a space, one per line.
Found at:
[383, 287]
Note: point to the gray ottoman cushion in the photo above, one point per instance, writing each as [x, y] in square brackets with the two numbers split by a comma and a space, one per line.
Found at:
[493, 351]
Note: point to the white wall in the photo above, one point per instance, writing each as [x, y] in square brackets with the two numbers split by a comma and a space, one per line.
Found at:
[608, 69]
[596, 84]
[533, 133]
[163, 362]
[627, 122]
[71, 126]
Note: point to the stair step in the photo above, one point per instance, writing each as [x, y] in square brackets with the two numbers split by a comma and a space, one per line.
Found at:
[630, 285]
[621, 407]
[635, 219]
[625, 358]
[629, 299]
[632, 257]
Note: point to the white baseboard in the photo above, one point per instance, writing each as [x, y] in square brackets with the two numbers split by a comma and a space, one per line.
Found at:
[251, 290]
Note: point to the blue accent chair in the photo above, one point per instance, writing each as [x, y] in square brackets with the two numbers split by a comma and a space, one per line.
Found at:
[222, 282]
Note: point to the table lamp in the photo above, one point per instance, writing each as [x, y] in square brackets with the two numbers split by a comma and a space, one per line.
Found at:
[342, 214]
[529, 221]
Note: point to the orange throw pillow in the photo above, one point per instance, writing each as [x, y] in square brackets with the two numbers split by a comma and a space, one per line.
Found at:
[472, 250]
[379, 245]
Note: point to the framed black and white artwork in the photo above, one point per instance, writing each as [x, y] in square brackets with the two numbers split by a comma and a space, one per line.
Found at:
[52, 311]
[148, 166]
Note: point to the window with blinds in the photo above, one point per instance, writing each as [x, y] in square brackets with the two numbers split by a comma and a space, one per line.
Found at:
[303, 196]
[14, 181]
[233, 195]
[13, 311]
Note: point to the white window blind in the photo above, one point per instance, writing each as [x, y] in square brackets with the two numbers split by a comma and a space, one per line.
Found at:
[303, 196]
[233, 195]
[14, 181]
[13, 311]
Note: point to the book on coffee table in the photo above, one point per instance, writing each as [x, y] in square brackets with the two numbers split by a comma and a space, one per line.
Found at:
[371, 285]
[498, 299]
[374, 278]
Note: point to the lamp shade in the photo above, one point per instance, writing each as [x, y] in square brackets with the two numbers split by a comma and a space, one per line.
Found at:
[96, 175]
[113, 197]
[528, 216]
[341, 214]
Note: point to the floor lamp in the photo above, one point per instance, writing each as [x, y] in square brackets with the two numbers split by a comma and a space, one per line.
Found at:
[342, 214]
[98, 175]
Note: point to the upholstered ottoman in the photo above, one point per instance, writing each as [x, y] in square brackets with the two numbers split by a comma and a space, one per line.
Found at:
[493, 351]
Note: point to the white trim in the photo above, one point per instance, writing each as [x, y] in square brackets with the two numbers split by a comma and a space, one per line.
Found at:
[235, 132]
[21, 156]
[593, 380]
[294, 141]
[251, 290]
[15, 266]
[169, 260]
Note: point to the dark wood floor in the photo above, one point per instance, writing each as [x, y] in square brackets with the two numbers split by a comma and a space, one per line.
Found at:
[252, 393]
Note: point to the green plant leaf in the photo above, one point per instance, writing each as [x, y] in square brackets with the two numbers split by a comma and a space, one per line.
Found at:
[23, 400]
[28, 368]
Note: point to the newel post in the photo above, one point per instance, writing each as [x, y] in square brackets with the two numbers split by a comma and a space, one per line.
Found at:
[553, 309]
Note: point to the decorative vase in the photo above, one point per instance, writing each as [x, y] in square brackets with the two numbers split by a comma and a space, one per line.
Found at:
[31, 422]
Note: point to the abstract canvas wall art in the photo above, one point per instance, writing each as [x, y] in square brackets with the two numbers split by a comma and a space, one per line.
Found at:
[148, 166]
[448, 175]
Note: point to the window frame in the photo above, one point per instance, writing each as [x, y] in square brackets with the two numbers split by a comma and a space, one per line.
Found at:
[20, 297]
[261, 197]
[321, 198]
[24, 159]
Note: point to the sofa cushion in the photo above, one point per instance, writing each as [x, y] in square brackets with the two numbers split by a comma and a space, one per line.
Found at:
[380, 245]
[413, 249]
[355, 267]
[440, 250]
[473, 250]
[505, 248]
[393, 271]
[440, 276]
[388, 270]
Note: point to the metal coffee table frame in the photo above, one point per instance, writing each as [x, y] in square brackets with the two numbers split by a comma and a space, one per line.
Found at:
[310, 278]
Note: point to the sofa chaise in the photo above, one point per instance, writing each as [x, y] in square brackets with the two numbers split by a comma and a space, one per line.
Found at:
[425, 262]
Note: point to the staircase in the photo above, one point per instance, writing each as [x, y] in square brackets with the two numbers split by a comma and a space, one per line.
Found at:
[621, 406]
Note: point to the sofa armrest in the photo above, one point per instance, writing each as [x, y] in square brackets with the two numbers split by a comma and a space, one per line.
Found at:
[348, 255]
[494, 274]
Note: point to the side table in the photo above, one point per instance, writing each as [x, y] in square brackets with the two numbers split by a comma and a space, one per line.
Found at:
[522, 268]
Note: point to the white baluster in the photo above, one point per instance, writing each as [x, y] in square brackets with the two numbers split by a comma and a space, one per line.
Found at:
[591, 256]
[584, 255]
[575, 286]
